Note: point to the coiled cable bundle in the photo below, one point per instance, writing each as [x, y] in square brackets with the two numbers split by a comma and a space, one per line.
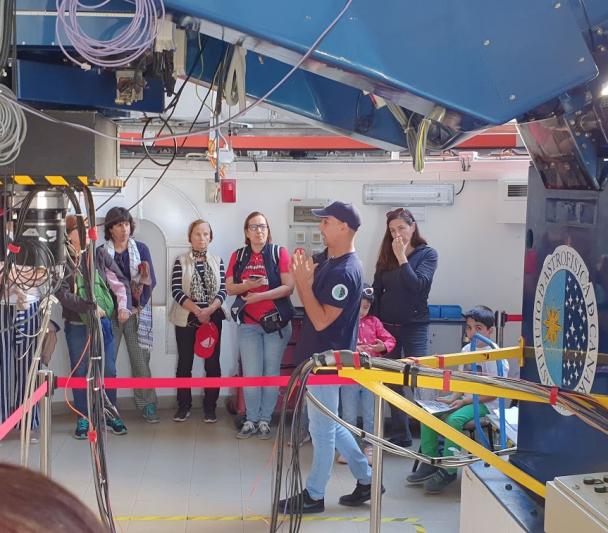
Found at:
[118, 51]
[13, 127]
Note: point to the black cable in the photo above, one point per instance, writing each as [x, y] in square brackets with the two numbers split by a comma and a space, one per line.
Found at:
[171, 105]
[461, 188]
[293, 478]
[165, 122]
[200, 110]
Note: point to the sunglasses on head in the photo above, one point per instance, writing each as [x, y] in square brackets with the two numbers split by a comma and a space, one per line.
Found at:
[401, 212]
[368, 291]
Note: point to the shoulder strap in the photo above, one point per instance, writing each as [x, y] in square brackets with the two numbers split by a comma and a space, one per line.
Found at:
[276, 250]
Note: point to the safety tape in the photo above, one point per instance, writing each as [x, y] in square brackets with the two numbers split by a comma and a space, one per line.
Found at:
[553, 395]
[64, 181]
[48, 180]
[261, 518]
[447, 375]
[191, 383]
[339, 365]
[15, 418]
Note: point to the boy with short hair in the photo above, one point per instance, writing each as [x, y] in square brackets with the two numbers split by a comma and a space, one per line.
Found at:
[479, 320]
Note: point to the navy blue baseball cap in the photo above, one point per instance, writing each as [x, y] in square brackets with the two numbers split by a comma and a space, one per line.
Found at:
[343, 212]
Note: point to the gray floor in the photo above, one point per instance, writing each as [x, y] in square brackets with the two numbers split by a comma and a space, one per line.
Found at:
[197, 477]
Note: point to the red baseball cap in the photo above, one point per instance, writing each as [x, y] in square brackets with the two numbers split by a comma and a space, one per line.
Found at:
[207, 336]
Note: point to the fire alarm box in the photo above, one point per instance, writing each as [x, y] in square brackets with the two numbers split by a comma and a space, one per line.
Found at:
[228, 191]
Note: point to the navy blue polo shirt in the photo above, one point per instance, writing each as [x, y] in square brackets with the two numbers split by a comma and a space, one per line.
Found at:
[337, 282]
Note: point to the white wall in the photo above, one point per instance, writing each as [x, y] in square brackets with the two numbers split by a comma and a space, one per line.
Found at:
[480, 260]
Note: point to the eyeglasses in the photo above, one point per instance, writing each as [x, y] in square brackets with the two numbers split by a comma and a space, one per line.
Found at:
[401, 212]
[255, 227]
[368, 291]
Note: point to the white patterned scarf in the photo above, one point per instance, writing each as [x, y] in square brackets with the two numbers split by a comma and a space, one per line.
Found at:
[144, 318]
[203, 289]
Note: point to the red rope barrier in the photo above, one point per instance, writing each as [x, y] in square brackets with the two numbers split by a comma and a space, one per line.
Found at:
[15, 418]
[191, 383]
[514, 318]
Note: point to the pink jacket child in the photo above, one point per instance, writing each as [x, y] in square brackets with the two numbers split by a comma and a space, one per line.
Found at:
[373, 337]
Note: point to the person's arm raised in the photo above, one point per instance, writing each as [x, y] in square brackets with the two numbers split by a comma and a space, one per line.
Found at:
[320, 315]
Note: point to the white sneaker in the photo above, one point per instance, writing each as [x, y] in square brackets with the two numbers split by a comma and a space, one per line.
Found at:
[263, 431]
[248, 429]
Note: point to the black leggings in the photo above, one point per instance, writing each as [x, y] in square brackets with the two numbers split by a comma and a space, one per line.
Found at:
[411, 341]
[185, 349]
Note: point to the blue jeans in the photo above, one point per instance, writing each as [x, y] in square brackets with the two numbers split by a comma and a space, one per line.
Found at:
[412, 340]
[76, 336]
[328, 435]
[261, 355]
[353, 396]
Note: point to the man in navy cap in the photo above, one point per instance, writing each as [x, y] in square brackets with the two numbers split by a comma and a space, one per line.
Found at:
[330, 291]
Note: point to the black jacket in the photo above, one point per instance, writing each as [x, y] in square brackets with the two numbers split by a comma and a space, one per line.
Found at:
[401, 295]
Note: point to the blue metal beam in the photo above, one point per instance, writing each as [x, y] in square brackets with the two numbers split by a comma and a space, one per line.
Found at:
[331, 105]
[491, 60]
[66, 86]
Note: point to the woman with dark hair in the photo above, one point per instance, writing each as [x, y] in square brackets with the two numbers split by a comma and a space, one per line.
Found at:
[402, 282]
[259, 275]
[199, 290]
[134, 260]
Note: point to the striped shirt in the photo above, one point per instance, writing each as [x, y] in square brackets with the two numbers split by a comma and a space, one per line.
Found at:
[176, 284]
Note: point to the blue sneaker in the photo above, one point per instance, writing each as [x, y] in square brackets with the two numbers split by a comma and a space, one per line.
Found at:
[150, 415]
[117, 426]
[82, 428]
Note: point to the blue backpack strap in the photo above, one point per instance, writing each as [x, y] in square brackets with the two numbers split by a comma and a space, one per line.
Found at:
[238, 265]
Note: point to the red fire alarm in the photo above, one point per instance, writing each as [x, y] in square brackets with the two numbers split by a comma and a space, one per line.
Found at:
[228, 190]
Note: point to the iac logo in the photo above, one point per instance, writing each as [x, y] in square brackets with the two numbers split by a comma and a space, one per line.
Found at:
[565, 323]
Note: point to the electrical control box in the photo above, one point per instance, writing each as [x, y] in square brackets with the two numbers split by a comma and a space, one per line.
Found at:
[304, 231]
[577, 503]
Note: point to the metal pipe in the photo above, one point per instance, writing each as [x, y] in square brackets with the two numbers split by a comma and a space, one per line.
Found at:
[45, 422]
[376, 499]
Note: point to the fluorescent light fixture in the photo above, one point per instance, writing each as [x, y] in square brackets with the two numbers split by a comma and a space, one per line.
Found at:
[407, 194]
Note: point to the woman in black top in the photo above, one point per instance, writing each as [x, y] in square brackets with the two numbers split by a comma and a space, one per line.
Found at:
[402, 282]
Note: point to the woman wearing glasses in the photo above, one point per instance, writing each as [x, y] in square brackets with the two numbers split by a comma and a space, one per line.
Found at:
[258, 274]
[402, 282]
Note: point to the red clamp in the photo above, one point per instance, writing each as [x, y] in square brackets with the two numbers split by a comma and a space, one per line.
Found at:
[447, 376]
[356, 360]
[13, 248]
[93, 233]
[441, 361]
[339, 365]
[92, 435]
[553, 395]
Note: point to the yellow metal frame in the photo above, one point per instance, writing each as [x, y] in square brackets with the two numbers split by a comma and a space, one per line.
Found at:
[454, 435]
[374, 380]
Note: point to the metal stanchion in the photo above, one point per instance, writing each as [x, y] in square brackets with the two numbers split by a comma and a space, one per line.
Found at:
[376, 499]
[45, 421]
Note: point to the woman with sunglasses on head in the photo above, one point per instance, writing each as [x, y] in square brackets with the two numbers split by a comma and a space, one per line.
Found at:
[199, 289]
[258, 274]
[402, 282]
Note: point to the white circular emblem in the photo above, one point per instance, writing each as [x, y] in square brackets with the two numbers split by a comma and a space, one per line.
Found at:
[565, 323]
[339, 292]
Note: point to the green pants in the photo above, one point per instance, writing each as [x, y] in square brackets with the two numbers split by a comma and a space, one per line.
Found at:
[429, 438]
